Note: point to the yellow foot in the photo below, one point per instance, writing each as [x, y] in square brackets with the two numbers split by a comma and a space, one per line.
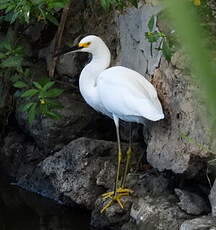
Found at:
[120, 192]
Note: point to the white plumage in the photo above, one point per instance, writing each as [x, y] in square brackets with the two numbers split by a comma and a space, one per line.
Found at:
[119, 93]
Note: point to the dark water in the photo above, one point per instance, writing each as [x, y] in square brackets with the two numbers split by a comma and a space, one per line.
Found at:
[23, 210]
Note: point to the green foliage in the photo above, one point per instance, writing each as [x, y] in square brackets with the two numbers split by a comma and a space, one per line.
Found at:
[11, 54]
[40, 96]
[154, 36]
[26, 11]
[106, 4]
[40, 99]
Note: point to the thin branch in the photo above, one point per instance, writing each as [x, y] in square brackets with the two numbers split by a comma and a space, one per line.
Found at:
[58, 39]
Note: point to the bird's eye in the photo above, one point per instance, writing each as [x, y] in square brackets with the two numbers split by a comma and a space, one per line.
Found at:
[88, 43]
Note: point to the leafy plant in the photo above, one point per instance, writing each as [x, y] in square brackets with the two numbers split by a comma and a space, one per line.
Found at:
[154, 36]
[11, 54]
[26, 11]
[106, 4]
[41, 99]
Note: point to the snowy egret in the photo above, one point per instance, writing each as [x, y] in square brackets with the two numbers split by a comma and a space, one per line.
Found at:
[119, 93]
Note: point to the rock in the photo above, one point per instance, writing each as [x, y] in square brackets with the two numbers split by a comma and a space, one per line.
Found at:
[157, 213]
[75, 174]
[149, 183]
[212, 198]
[78, 119]
[113, 217]
[180, 60]
[201, 223]
[178, 142]
[191, 202]
[129, 226]
[19, 155]
[135, 52]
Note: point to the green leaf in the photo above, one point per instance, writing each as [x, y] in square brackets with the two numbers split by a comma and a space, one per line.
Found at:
[20, 84]
[2, 55]
[105, 3]
[151, 23]
[26, 107]
[29, 93]
[52, 104]
[37, 85]
[167, 51]
[52, 19]
[134, 3]
[3, 6]
[48, 85]
[13, 61]
[56, 4]
[15, 78]
[32, 113]
[54, 92]
[53, 115]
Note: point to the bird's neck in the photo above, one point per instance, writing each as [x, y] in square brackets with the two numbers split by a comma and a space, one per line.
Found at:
[89, 75]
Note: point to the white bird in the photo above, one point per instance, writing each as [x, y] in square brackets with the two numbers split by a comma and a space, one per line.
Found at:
[119, 93]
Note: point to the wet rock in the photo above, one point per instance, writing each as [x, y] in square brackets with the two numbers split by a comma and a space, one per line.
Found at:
[201, 223]
[76, 173]
[191, 202]
[212, 198]
[157, 213]
[173, 142]
[78, 119]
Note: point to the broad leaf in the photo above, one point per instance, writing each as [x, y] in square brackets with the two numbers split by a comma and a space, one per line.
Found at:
[53, 115]
[52, 19]
[32, 113]
[53, 92]
[134, 3]
[151, 23]
[14, 61]
[2, 55]
[27, 106]
[48, 85]
[29, 93]
[37, 85]
[20, 84]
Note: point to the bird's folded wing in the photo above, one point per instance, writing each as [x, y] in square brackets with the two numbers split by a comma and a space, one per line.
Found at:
[125, 92]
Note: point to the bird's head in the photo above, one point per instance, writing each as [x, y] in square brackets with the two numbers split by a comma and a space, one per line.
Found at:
[90, 44]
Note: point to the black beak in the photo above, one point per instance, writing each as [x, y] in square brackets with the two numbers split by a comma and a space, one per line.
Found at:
[67, 50]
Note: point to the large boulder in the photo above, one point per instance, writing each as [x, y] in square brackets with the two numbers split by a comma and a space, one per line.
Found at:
[212, 198]
[77, 120]
[191, 203]
[77, 174]
[200, 223]
[136, 52]
[158, 213]
[178, 142]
